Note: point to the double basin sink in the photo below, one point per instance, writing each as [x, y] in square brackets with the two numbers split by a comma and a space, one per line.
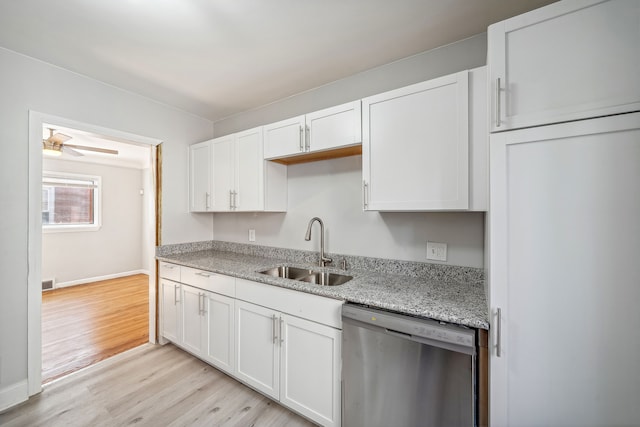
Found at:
[321, 278]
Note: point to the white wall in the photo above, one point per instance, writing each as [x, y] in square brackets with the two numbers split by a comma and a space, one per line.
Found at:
[117, 246]
[331, 189]
[463, 55]
[27, 84]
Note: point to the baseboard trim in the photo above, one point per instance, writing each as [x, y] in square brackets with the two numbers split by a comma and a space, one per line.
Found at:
[13, 395]
[99, 278]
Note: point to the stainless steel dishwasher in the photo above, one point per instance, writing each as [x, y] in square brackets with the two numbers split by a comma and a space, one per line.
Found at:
[404, 371]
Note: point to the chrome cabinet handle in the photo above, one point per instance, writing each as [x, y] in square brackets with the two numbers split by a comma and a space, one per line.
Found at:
[273, 328]
[281, 337]
[365, 198]
[206, 200]
[203, 274]
[307, 138]
[175, 294]
[235, 200]
[169, 266]
[301, 137]
[498, 120]
[499, 332]
[203, 310]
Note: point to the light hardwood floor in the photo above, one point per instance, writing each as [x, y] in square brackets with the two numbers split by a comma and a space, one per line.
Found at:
[84, 324]
[150, 385]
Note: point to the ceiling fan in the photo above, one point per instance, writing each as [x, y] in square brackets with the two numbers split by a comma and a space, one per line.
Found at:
[55, 145]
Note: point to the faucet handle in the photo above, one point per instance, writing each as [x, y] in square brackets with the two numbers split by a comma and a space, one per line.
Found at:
[325, 260]
[343, 264]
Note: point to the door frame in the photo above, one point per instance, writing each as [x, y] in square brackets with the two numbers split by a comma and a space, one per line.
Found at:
[34, 231]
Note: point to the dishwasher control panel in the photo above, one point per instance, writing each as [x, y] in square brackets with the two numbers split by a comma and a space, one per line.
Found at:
[410, 327]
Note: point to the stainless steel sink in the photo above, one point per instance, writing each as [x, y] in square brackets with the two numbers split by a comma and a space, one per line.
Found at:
[326, 279]
[287, 272]
[307, 275]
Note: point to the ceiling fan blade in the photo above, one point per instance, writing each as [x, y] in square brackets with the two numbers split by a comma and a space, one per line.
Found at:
[68, 150]
[59, 138]
[99, 150]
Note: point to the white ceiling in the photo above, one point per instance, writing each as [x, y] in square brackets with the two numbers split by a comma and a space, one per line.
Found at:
[216, 58]
[129, 154]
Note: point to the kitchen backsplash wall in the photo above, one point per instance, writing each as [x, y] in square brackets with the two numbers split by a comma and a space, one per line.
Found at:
[331, 189]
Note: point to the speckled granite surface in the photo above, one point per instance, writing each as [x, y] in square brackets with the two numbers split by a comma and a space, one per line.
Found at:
[448, 293]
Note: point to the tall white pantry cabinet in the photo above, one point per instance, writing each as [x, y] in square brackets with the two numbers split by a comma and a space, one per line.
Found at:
[564, 222]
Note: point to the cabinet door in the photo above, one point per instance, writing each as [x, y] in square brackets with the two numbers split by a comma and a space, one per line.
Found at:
[170, 312]
[334, 127]
[193, 323]
[223, 173]
[284, 138]
[249, 171]
[565, 61]
[200, 177]
[415, 146]
[219, 314]
[310, 370]
[564, 271]
[257, 347]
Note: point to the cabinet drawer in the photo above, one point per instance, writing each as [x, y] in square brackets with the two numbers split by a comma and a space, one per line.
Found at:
[209, 281]
[316, 308]
[170, 271]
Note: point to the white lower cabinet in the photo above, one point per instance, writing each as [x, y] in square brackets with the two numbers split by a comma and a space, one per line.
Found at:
[170, 310]
[219, 315]
[292, 359]
[207, 326]
[257, 347]
[310, 360]
[193, 322]
[251, 333]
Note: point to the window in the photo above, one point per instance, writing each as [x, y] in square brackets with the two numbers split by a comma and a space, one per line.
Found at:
[70, 202]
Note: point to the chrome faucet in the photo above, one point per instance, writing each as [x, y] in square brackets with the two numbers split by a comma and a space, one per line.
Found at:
[323, 260]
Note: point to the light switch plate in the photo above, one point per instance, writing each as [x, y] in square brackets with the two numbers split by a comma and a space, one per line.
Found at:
[436, 251]
[252, 235]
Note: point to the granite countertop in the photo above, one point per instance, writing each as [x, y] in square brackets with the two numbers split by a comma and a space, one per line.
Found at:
[450, 295]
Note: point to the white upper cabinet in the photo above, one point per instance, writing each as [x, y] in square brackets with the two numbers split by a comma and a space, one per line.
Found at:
[415, 151]
[566, 61]
[200, 177]
[223, 171]
[240, 178]
[324, 130]
[284, 138]
[249, 175]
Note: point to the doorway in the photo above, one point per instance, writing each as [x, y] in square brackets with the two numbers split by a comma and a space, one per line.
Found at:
[95, 196]
[38, 122]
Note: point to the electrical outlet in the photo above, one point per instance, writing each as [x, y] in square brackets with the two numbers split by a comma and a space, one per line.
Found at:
[252, 235]
[436, 251]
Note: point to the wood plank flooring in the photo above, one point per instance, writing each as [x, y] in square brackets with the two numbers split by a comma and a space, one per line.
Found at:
[150, 385]
[84, 324]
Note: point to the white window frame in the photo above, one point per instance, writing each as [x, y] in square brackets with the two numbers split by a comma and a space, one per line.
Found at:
[97, 204]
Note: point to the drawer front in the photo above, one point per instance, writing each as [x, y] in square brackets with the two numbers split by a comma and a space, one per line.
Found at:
[213, 282]
[169, 271]
[316, 308]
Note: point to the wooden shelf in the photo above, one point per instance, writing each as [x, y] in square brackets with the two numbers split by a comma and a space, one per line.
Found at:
[353, 150]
